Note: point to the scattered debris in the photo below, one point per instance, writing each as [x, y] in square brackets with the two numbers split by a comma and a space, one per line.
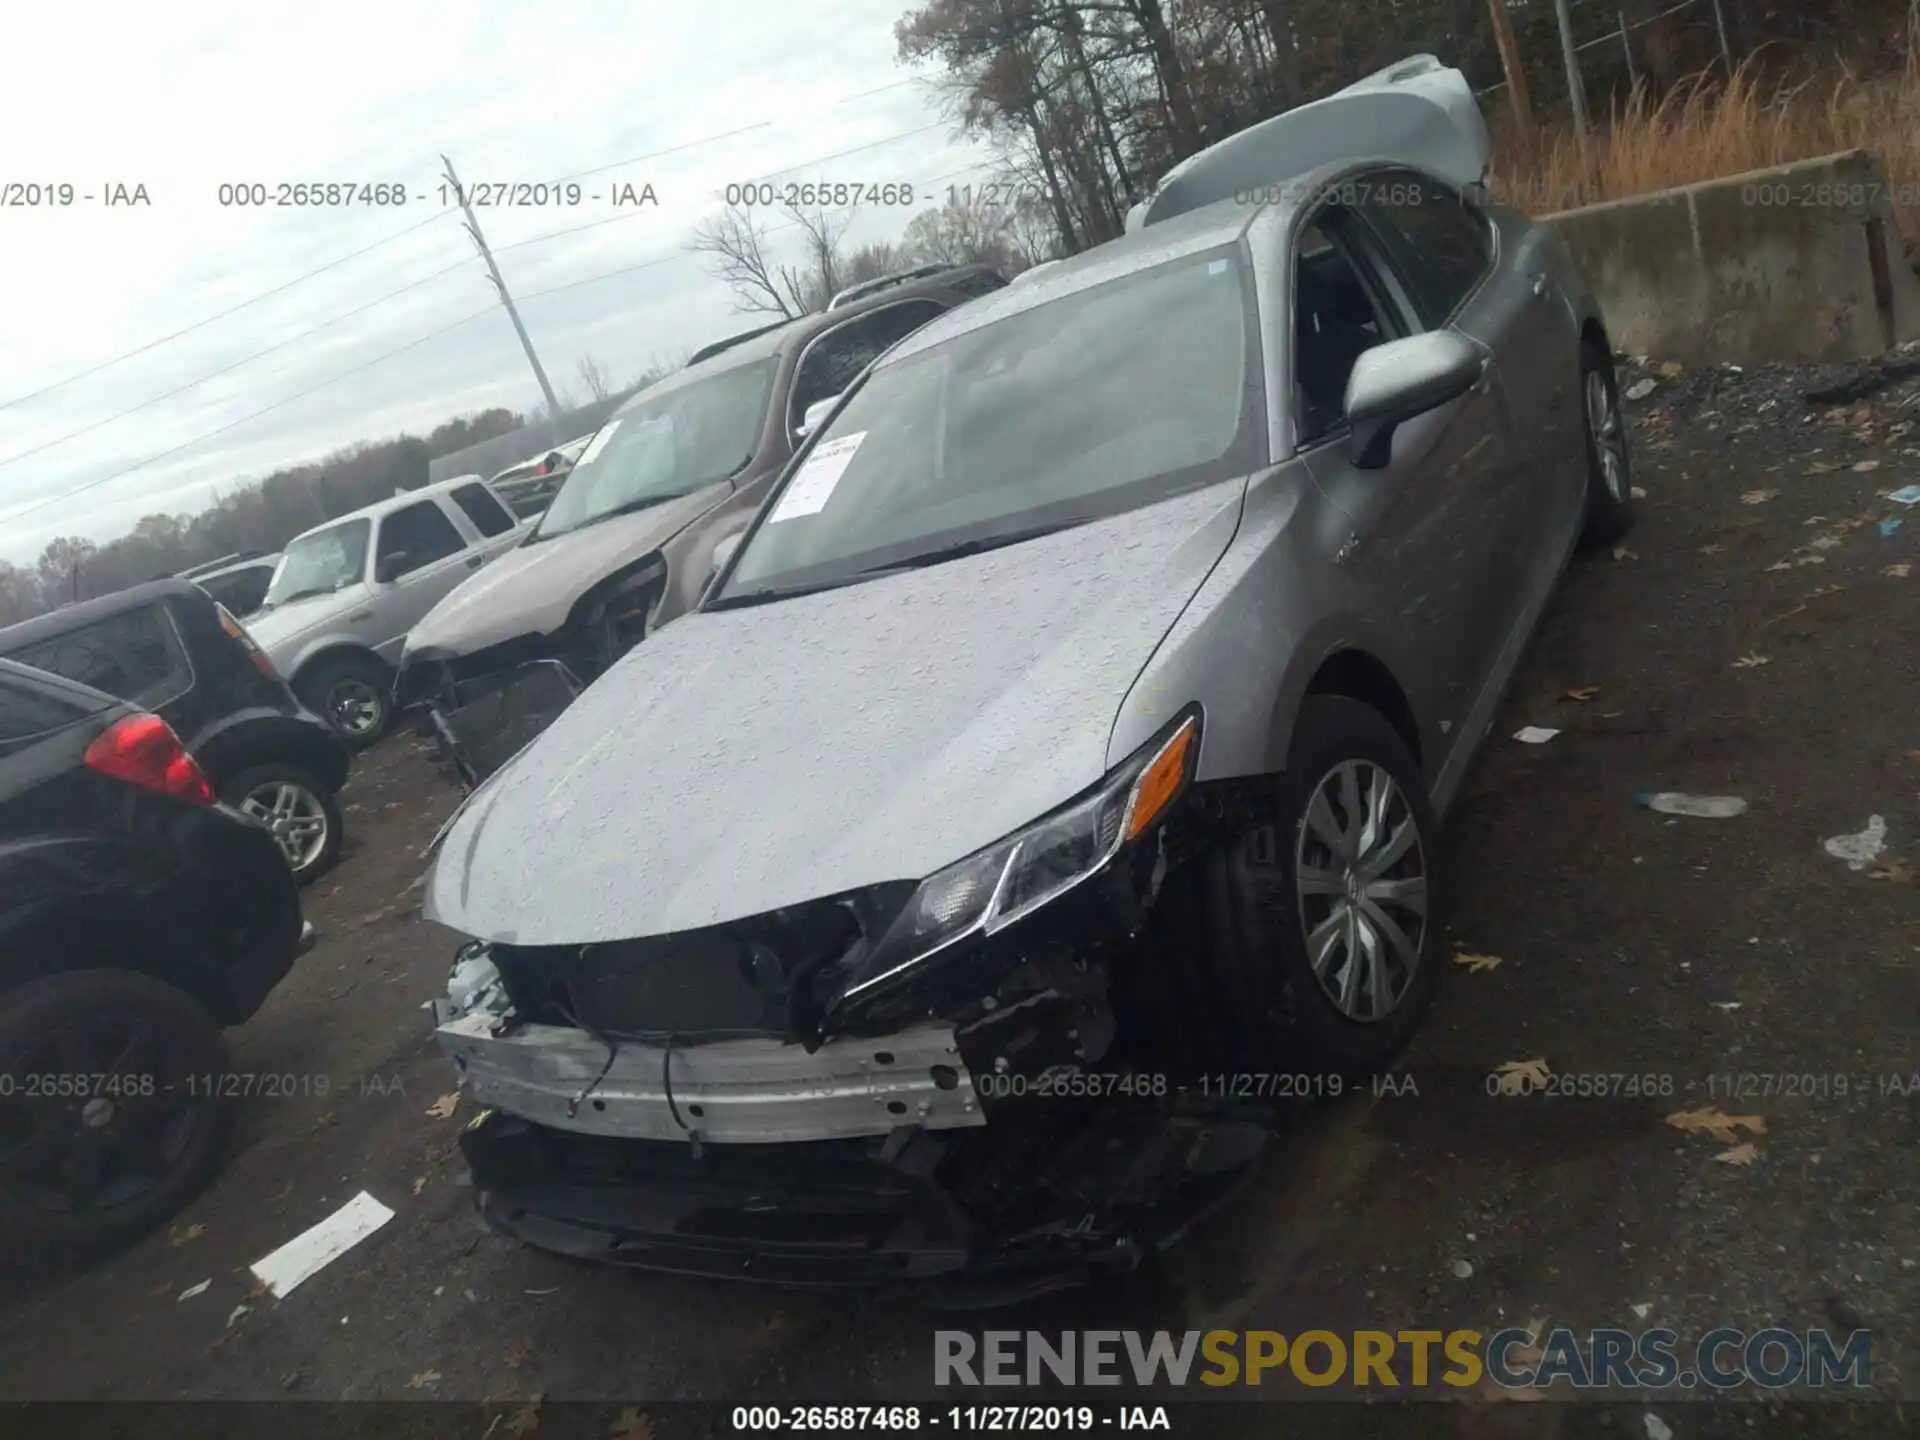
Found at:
[1657, 1429]
[1723, 1127]
[1743, 1154]
[236, 1313]
[443, 1108]
[1824, 542]
[1642, 1310]
[1865, 467]
[1713, 549]
[1888, 527]
[420, 1184]
[1520, 1077]
[1758, 497]
[551, 1290]
[1700, 807]
[1671, 368]
[191, 1291]
[185, 1235]
[1478, 964]
[526, 1420]
[424, 1379]
[1820, 467]
[1861, 849]
[1463, 1269]
[1581, 692]
[1896, 872]
[1728, 1005]
[1534, 734]
[1909, 495]
[1640, 389]
[1636, 492]
[1898, 572]
[632, 1424]
[308, 1253]
[1620, 552]
[1752, 660]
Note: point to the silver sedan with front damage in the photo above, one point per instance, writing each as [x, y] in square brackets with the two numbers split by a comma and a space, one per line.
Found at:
[1067, 737]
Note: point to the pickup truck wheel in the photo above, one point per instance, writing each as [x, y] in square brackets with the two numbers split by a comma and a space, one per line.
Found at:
[353, 695]
[1323, 925]
[112, 1115]
[302, 813]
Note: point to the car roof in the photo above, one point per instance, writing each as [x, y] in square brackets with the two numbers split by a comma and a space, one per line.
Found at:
[269, 557]
[1188, 234]
[392, 502]
[85, 612]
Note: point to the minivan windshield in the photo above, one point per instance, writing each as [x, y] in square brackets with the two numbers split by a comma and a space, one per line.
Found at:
[1098, 402]
[660, 449]
[321, 562]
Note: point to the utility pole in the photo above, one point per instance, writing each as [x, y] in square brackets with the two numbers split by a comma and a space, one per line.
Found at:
[1576, 90]
[480, 240]
[1510, 64]
[1720, 24]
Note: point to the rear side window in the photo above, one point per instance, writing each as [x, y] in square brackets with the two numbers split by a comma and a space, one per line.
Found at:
[241, 591]
[422, 532]
[135, 655]
[836, 357]
[26, 711]
[1441, 245]
[488, 515]
[984, 282]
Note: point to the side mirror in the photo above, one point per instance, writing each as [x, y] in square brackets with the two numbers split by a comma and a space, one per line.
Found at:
[815, 416]
[1394, 382]
[723, 552]
[391, 567]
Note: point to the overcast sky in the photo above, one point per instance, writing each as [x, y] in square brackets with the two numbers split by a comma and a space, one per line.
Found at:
[186, 98]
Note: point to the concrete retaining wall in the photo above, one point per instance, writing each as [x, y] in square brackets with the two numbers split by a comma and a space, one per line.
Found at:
[1801, 262]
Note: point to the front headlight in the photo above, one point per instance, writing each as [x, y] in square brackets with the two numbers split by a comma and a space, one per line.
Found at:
[1011, 878]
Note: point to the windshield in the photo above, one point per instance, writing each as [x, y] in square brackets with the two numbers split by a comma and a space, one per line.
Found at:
[669, 446]
[321, 563]
[1088, 405]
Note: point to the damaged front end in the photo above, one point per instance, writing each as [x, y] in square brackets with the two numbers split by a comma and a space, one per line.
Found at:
[979, 1077]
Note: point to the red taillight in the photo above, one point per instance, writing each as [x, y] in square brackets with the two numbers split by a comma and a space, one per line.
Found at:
[144, 751]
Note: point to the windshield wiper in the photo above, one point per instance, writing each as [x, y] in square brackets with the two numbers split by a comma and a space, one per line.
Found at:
[646, 502]
[960, 549]
[300, 595]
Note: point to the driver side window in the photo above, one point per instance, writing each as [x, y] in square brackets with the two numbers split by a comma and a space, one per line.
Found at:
[1338, 315]
[423, 532]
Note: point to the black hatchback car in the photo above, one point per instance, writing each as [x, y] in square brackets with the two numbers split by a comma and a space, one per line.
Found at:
[137, 917]
[169, 648]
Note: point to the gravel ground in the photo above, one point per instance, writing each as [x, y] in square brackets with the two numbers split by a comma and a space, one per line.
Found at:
[1755, 636]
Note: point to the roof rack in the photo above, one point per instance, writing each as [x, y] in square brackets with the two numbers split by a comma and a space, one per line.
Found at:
[707, 352]
[887, 282]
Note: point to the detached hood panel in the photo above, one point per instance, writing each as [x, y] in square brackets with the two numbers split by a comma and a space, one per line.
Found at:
[743, 760]
[532, 588]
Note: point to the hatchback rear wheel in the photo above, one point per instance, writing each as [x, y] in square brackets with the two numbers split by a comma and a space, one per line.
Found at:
[301, 812]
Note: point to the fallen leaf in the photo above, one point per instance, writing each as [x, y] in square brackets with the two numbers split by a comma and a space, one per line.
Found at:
[1723, 1127]
[184, 1236]
[631, 1424]
[1583, 692]
[200, 1289]
[1517, 1077]
[1752, 661]
[443, 1108]
[1813, 520]
[1741, 1154]
[1672, 368]
[1727, 1005]
[1620, 552]
[1865, 466]
[1824, 542]
[1529, 1353]
[1820, 467]
[424, 1379]
[236, 1313]
[1641, 1311]
[517, 1353]
[1758, 497]
[420, 1184]
[1637, 493]
[1898, 572]
[1611, 714]
[526, 1420]
[1713, 549]
[1478, 964]
[1897, 872]
[1820, 592]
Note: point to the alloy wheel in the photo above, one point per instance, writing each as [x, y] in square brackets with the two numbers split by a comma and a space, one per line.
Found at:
[295, 816]
[1608, 433]
[96, 1116]
[354, 706]
[1360, 879]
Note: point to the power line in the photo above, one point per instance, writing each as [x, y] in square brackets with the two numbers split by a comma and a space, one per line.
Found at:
[231, 310]
[65, 495]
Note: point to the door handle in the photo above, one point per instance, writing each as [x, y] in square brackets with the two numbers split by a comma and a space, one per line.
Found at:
[476, 561]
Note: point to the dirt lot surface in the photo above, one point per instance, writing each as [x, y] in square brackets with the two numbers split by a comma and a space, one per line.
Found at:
[1756, 637]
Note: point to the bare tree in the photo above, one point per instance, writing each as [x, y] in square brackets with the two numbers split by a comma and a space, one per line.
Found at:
[594, 378]
[743, 260]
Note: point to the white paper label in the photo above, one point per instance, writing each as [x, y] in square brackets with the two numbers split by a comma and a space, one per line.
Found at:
[597, 444]
[807, 493]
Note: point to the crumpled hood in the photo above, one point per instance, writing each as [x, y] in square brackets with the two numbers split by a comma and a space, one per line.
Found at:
[531, 589]
[273, 628]
[742, 760]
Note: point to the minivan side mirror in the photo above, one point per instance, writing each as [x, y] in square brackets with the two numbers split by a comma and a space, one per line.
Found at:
[1401, 379]
[391, 567]
[815, 416]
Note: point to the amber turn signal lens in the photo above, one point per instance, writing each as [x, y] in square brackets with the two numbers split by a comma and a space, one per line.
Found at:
[1163, 779]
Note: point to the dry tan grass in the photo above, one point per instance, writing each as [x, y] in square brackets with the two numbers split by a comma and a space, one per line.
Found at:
[1712, 127]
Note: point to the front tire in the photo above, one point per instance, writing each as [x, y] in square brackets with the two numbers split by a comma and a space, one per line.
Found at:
[1609, 467]
[302, 813]
[354, 695]
[1323, 926]
[82, 1174]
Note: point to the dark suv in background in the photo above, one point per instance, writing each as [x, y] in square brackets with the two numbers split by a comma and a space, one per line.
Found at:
[169, 648]
[628, 542]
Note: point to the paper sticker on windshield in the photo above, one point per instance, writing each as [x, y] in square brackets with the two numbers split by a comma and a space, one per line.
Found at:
[807, 492]
[598, 443]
